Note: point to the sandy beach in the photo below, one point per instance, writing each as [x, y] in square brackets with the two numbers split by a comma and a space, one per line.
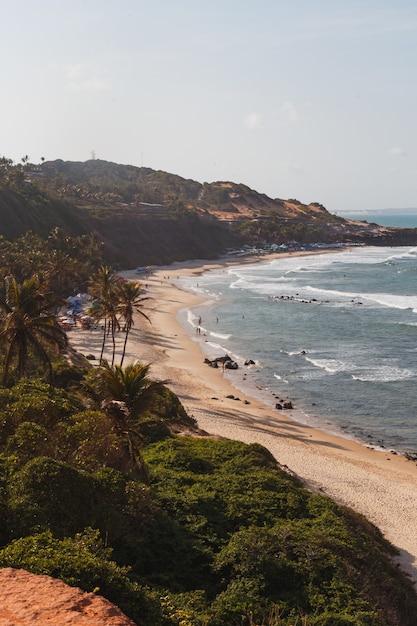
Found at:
[380, 485]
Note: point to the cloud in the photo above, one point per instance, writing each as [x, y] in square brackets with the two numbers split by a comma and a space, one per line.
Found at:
[395, 151]
[82, 78]
[253, 121]
[290, 111]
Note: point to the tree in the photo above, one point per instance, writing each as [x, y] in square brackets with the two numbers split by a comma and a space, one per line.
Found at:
[61, 270]
[28, 322]
[125, 394]
[130, 301]
[6, 165]
[104, 305]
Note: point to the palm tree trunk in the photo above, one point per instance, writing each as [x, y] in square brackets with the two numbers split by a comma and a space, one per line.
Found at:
[113, 338]
[127, 331]
[104, 341]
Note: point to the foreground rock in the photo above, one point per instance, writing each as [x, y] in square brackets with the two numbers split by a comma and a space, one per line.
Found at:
[30, 600]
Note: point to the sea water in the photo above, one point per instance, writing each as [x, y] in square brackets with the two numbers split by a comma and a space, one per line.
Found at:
[397, 219]
[335, 333]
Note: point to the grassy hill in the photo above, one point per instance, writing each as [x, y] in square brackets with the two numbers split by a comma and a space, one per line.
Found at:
[145, 216]
[29, 209]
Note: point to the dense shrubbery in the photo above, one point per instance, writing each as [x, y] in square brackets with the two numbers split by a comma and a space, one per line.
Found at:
[97, 487]
[219, 535]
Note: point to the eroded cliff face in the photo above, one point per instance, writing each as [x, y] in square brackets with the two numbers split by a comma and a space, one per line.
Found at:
[30, 600]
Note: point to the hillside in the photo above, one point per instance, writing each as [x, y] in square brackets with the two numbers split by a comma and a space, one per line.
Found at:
[26, 209]
[145, 216]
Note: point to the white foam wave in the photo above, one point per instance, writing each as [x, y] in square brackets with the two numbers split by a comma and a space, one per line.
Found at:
[331, 366]
[385, 374]
[393, 301]
[283, 380]
[215, 350]
[328, 296]
[191, 317]
[218, 335]
[384, 299]
[372, 373]
[412, 252]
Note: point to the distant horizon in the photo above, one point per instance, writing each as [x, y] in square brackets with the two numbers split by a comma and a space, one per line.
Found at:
[385, 211]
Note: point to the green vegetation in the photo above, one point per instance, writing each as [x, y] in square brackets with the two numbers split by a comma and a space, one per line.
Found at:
[220, 535]
[28, 322]
[99, 488]
[141, 216]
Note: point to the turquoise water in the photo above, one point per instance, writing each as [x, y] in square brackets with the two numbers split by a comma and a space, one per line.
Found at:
[400, 220]
[335, 333]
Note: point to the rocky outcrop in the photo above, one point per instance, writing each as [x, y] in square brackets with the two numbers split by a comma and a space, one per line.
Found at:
[225, 361]
[30, 600]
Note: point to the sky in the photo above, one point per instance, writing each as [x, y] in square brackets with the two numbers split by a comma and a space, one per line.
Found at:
[296, 99]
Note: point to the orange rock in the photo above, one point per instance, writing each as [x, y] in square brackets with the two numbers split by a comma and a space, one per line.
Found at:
[30, 600]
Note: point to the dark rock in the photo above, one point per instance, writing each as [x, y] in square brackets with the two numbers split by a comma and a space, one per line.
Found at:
[223, 359]
[220, 359]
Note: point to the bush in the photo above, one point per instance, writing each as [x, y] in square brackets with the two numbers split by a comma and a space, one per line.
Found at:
[50, 495]
[83, 562]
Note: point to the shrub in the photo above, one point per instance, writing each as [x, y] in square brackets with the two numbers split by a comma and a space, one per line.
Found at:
[83, 562]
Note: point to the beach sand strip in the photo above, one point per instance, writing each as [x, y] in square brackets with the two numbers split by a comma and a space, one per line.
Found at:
[380, 485]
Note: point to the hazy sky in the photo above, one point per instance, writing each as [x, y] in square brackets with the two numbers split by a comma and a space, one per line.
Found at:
[297, 99]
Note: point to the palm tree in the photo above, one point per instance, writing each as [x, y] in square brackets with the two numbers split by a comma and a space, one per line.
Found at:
[61, 272]
[104, 305]
[130, 302]
[125, 394]
[28, 322]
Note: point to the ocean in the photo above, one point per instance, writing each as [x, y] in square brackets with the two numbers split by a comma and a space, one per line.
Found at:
[399, 218]
[334, 333]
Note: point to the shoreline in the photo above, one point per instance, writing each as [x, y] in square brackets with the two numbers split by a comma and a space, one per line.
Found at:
[379, 484]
